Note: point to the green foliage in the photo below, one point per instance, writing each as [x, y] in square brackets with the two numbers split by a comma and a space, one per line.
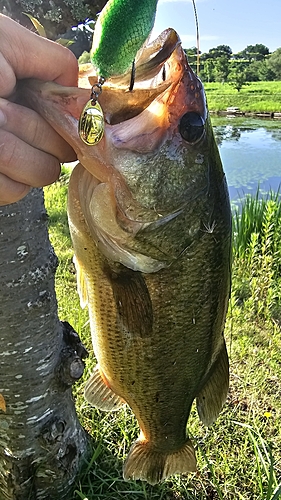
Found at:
[192, 57]
[57, 16]
[219, 51]
[207, 73]
[267, 479]
[221, 69]
[254, 52]
[84, 58]
[258, 71]
[238, 456]
[38, 26]
[254, 62]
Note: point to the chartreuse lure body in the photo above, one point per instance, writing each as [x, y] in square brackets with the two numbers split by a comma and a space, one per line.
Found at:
[121, 30]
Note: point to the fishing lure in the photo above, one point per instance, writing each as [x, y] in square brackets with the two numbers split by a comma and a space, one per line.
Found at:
[120, 31]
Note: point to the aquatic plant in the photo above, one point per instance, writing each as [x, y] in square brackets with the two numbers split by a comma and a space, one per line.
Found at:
[257, 249]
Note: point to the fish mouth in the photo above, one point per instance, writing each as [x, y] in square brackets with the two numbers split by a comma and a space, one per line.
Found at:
[158, 65]
[163, 80]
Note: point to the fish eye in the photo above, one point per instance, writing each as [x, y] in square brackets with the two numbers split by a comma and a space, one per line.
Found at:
[191, 127]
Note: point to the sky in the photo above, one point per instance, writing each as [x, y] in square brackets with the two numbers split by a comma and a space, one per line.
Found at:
[236, 23]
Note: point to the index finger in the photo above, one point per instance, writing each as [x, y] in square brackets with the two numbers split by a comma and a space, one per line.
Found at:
[27, 55]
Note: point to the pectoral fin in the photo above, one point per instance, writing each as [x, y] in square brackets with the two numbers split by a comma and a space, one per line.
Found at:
[133, 302]
[213, 395]
[81, 283]
[99, 394]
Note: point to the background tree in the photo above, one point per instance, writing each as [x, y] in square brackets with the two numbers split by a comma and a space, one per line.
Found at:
[207, 72]
[237, 76]
[215, 64]
[220, 64]
[192, 57]
[221, 69]
[220, 51]
[259, 71]
[56, 17]
[274, 63]
[255, 52]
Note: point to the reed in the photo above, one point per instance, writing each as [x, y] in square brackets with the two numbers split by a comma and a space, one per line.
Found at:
[257, 254]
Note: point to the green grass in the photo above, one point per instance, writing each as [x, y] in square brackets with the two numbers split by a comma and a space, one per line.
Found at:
[239, 456]
[256, 97]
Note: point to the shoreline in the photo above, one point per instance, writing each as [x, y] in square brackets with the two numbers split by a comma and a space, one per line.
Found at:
[248, 114]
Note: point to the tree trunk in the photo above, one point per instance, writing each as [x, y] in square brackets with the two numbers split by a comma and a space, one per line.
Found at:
[41, 440]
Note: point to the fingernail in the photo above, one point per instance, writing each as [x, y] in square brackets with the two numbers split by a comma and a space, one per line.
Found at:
[3, 118]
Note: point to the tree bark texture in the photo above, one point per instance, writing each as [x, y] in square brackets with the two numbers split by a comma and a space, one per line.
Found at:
[42, 443]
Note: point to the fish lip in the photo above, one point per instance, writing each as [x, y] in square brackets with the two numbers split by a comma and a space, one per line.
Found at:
[37, 94]
[151, 58]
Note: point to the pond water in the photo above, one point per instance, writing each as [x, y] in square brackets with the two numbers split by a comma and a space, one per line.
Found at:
[251, 154]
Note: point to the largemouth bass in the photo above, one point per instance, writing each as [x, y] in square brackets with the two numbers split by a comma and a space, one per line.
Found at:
[150, 221]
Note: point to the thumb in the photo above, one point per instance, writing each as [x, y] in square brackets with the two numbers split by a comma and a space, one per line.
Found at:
[23, 54]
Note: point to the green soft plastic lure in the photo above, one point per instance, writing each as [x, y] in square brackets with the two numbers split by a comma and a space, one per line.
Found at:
[121, 30]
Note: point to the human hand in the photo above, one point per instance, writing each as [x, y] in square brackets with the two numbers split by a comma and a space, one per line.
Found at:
[30, 150]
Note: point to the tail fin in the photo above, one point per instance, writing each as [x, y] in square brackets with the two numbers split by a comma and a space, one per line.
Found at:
[146, 463]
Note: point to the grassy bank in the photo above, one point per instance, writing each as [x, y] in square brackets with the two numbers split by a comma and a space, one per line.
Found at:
[239, 456]
[257, 97]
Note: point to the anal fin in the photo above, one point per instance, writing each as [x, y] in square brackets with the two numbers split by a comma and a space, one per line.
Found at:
[213, 395]
[99, 394]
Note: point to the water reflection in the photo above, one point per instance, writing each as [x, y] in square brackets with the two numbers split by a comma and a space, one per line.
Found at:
[227, 133]
[251, 154]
